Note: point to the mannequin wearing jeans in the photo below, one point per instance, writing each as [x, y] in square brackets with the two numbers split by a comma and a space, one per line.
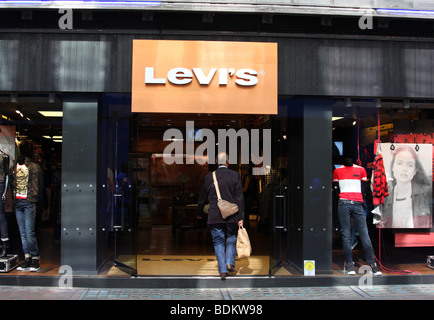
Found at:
[4, 179]
[348, 179]
[27, 180]
[347, 210]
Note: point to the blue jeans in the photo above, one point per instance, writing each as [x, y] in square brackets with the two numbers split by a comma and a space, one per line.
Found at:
[348, 209]
[354, 229]
[25, 212]
[225, 254]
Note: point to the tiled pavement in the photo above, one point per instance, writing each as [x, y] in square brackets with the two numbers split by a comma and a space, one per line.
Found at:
[376, 292]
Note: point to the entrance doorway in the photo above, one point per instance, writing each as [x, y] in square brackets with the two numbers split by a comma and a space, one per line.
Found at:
[170, 239]
[149, 206]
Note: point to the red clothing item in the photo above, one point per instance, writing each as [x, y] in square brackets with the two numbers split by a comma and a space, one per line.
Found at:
[379, 181]
[349, 179]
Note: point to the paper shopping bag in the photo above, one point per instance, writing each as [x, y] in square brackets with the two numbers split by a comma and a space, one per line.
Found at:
[244, 249]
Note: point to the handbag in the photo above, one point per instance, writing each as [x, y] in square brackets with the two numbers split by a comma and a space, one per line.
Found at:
[244, 249]
[226, 208]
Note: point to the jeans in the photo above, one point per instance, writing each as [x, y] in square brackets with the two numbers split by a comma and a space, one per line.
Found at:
[354, 228]
[26, 213]
[225, 254]
[353, 209]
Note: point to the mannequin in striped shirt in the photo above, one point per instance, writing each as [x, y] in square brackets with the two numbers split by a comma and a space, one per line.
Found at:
[347, 181]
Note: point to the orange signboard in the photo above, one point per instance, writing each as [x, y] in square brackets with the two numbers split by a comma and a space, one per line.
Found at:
[204, 77]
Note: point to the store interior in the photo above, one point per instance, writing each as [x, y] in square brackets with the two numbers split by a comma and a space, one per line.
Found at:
[164, 196]
[36, 120]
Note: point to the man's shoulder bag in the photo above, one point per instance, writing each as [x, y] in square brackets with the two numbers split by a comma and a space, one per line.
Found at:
[226, 208]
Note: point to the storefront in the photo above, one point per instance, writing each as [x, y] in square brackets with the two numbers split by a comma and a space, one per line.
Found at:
[122, 207]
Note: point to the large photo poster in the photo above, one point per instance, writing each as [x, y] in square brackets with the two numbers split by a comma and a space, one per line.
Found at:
[7, 142]
[408, 170]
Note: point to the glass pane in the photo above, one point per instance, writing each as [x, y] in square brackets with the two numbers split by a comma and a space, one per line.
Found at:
[277, 191]
[118, 212]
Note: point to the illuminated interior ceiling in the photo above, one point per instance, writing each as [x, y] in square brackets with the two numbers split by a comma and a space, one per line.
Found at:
[365, 110]
[29, 122]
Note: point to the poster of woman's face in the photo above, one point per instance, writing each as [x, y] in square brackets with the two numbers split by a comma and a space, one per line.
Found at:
[409, 175]
[7, 142]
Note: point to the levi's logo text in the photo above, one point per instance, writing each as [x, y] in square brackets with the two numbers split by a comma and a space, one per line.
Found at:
[183, 76]
[173, 76]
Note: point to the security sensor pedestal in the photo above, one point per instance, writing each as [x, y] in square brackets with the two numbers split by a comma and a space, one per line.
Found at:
[8, 263]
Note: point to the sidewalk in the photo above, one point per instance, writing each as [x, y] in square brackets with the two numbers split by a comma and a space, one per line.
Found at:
[375, 292]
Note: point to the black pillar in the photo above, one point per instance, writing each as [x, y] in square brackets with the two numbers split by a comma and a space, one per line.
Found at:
[310, 213]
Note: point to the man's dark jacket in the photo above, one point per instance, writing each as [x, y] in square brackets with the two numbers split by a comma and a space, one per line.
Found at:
[231, 190]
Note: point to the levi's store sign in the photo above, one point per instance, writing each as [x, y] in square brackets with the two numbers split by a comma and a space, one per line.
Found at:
[204, 77]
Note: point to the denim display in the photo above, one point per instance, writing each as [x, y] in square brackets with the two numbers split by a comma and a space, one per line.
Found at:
[26, 214]
[224, 237]
[348, 209]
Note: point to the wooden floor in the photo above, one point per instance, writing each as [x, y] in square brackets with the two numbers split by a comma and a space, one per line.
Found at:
[49, 249]
[161, 241]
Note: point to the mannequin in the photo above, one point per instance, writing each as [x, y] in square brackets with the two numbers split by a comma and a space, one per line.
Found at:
[4, 180]
[349, 178]
[28, 184]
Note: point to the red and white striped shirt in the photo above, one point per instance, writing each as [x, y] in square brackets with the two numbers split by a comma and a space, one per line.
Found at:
[349, 179]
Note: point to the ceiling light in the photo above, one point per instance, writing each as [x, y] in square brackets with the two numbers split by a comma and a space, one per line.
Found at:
[57, 114]
[18, 110]
[54, 138]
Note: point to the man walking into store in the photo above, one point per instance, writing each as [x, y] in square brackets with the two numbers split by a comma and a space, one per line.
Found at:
[231, 190]
[348, 180]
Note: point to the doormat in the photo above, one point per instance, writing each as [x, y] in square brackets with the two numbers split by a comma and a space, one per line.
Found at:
[195, 265]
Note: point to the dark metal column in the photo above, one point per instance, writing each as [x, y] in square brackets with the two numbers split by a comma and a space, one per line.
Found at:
[310, 230]
[79, 181]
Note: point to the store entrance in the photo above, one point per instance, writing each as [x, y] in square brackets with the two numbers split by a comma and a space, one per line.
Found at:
[170, 239]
